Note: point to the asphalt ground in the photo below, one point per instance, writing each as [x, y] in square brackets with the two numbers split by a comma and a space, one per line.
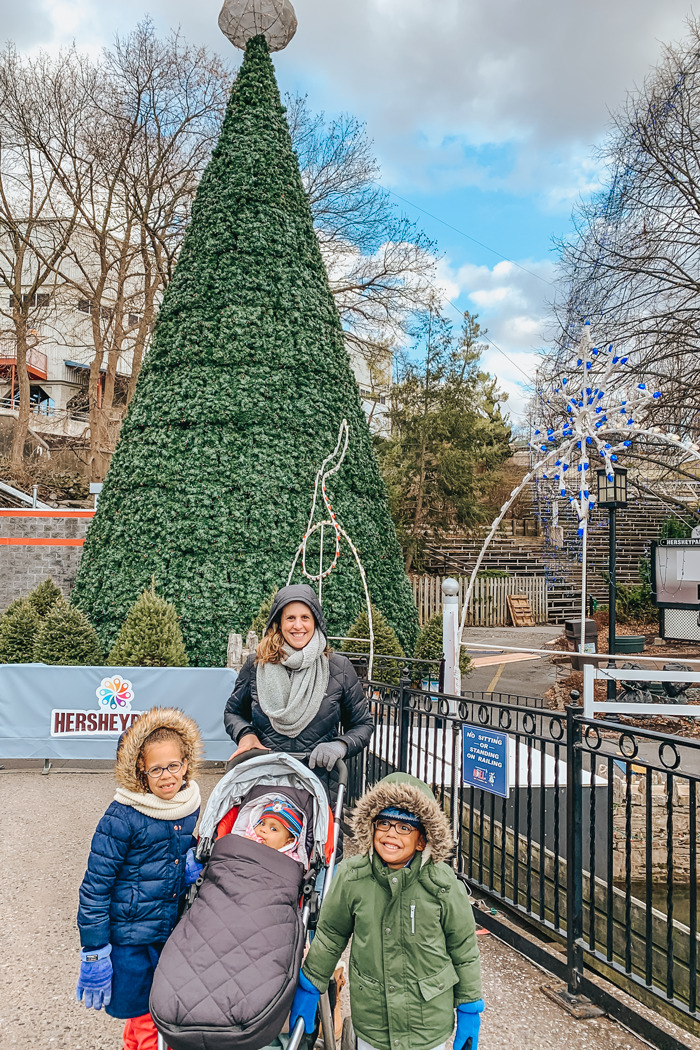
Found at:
[506, 672]
[46, 824]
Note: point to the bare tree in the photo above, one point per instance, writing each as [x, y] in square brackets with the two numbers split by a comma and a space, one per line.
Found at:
[37, 219]
[633, 265]
[380, 265]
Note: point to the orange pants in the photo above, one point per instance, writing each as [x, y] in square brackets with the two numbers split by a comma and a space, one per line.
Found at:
[140, 1033]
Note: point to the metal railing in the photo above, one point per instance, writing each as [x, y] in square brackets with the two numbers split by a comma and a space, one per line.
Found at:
[595, 845]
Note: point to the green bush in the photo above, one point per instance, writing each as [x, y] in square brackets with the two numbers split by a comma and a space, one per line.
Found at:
[18, 630]
[386, 643]
[67, 637]
[429, 647]
[633, 602]
[150, 636]
[261, 617]
[674, 528]
[44, 597]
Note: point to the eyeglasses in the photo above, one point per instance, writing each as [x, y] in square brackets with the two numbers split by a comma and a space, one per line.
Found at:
[156, 772]
[402, 829]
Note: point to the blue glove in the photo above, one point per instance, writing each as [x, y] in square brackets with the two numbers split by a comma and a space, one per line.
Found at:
[305, 1004]
[326, 755]
[193, 868]
[95, 981]
[468, 1025]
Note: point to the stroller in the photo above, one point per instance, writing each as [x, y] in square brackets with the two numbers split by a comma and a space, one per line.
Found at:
[227, 975]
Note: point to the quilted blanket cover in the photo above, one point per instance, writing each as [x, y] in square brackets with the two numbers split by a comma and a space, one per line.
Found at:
[227, 975]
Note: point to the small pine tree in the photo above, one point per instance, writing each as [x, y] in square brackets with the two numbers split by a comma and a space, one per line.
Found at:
[150, 636]
[386, 643]
[67, 637]
[44, 597]
[18, 631]
[261, 617]
[429, 647]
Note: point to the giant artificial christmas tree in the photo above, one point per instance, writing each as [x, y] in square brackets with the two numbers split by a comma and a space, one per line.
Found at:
[239, 401]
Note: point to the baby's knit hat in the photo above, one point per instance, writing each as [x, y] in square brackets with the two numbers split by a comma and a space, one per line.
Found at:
[286, 813]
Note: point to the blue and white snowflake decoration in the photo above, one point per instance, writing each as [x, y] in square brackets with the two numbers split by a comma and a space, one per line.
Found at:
[603, 403]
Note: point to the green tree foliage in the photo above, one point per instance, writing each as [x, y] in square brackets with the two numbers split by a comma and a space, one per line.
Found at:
[44, 597]
[262, 616]
[429, 647]
[66, 636]
[385, 644]
[18, 630]
[675, 528]
[448, 435]
[150, 636]
[239, 401]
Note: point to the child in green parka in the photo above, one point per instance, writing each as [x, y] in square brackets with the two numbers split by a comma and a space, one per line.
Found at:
[414, 958]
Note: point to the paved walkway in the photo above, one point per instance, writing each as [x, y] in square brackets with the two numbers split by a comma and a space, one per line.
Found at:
[504, 672]
[46, 823]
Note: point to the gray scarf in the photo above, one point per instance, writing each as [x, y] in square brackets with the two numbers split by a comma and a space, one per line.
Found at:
[291, 701]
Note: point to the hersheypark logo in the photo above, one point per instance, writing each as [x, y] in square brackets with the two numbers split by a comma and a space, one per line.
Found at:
[112, 717]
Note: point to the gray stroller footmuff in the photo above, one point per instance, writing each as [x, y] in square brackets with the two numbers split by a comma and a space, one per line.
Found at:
[227, 975]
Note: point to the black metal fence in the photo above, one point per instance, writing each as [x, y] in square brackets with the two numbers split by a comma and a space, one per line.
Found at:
[595, 845]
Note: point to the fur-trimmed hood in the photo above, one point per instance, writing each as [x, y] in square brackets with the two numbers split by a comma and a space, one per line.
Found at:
[132, 741]
[409, 793]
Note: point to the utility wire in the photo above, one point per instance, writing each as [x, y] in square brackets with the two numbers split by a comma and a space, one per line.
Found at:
[468, 236]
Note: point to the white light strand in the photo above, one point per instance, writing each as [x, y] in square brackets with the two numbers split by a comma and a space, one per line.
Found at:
[322, 476]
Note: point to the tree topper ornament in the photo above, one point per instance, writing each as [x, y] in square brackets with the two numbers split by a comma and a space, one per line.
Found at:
[241, 20]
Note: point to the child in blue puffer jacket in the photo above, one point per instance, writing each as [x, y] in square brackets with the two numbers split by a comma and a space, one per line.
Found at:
[131, 894]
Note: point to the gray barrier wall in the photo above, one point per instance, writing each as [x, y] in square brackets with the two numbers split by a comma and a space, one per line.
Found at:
[80, 712]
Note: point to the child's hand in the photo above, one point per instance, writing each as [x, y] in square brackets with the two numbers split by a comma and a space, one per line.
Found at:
[468, 1025]
[305, 1005]
[95, 981]
[193, 868]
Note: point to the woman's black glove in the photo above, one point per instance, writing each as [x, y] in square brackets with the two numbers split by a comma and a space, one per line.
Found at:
[326, 755]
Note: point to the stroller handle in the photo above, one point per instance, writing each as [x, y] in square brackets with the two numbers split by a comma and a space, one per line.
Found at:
[303, 756]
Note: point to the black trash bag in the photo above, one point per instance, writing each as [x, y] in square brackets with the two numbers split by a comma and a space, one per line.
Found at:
[677, 690]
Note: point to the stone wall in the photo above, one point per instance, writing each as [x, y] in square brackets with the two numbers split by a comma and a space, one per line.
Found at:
[35, 544]
[659, 812]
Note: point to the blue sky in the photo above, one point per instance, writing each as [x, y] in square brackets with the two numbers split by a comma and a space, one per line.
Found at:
[484, 114]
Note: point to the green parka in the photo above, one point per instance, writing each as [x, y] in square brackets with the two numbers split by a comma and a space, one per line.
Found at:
[414, 954]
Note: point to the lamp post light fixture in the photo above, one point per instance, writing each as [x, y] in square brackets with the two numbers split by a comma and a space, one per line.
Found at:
[612, 494]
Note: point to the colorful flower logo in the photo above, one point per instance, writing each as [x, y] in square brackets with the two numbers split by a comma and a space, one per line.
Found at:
[115, 693]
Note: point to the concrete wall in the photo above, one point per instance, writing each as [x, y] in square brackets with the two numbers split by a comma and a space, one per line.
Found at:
[35, 544]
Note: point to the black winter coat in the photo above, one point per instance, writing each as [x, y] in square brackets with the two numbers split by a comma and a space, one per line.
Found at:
[343, 705]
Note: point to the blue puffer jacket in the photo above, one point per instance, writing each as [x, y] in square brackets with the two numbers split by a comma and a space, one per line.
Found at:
[135, 878]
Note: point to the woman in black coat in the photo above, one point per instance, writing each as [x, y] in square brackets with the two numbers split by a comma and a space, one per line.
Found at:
[294, 694]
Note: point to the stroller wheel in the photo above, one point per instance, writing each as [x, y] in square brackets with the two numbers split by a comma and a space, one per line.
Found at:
[348, 1040]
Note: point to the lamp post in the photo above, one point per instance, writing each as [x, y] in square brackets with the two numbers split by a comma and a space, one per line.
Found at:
[612, 494]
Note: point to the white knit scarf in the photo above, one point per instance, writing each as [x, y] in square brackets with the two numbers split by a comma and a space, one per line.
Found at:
[181, 805]
[291, 701]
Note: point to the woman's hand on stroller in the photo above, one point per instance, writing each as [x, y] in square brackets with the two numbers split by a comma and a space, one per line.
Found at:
[95, 981]
[248, 742]
[305, 1004]
[193, 868]
[326, 755]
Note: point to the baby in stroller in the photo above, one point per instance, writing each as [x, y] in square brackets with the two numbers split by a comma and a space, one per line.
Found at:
[227, 975]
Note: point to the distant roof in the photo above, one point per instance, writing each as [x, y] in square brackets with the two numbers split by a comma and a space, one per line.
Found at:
[86, 368]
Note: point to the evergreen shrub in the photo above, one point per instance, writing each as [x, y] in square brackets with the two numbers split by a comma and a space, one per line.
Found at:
[386, 643]
[67, 637]
[262, 616]
[239, 401]
[18, 630]
[44, 597]
[150, 636]
[429, 647]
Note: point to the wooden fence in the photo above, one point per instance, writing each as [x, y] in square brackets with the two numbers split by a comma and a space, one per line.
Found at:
[488, 606]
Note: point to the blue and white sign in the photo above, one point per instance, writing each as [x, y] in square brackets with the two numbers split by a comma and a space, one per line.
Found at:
[485, 759]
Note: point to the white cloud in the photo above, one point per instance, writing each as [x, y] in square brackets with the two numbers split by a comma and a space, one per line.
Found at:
[511, 300]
